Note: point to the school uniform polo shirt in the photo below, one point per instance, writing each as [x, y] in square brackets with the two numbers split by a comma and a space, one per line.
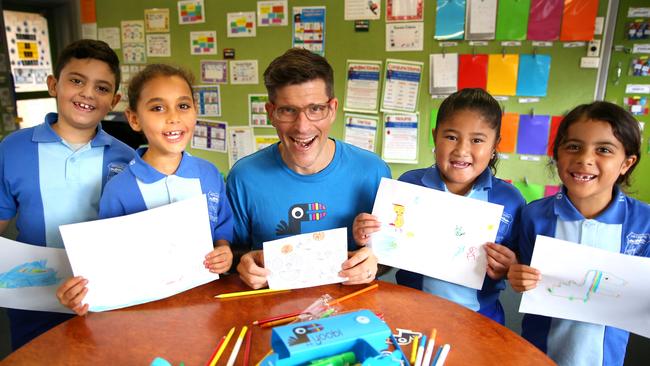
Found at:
[46, 182]
[141, 187]
[486, 188]
[624, 227]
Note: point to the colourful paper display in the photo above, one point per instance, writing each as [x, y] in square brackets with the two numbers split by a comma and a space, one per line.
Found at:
[472, 71]
[450, 19]
[533, 134]
[512, 20]
[555, 124]
[579, 20]
[551, 190]
[502, 74]
[530, 191]
[532, 80]
[545, 20]
[432, 124]
[509, 127]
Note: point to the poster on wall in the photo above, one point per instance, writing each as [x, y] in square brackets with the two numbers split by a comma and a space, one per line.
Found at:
[208, 100]
[241, 24]
[309, 28]
[264, 141]
[404, 36]
[132, 31]
[362, 86]
[156, 20]
[191, 12]
[243, 72]
[28, 44]
[257, 111]
[361, 130]
[401, 85]
[110, 35]
[203, 43]
[158, 45]
[400, 138]
[240, 143]
[134, 53]
[404, 10]
[210, 135]
[214, 71]
[362, 10]
[272, 13]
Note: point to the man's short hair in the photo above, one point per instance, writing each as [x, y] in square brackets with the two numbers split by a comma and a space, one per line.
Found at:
[297, 66]
[90, 48]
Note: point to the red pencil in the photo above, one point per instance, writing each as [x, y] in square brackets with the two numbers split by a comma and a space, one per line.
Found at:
[247, 350]
[277, 317]
[215, 351]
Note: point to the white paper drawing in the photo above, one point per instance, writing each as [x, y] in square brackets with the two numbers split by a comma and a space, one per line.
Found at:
[306, 260]
[591, 285]
[141, 257]
[419, 236]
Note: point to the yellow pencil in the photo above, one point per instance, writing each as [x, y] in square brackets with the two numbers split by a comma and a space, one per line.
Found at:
[247, 293]
[414, 350]
[235, 350]
[223, 347]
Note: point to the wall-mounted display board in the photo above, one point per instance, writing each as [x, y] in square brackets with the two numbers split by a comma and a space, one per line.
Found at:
[567, 84]
[7, 95]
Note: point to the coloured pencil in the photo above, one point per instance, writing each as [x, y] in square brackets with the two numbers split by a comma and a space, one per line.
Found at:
[235, 349]
[414, 349]
[222, 347]
[443, 355]
[215, 351]
[426, 361]
[346, 297]
[275, 323]
[418, 358]
[247, 349]
[270, 352]
[247, 293]
[277, 317]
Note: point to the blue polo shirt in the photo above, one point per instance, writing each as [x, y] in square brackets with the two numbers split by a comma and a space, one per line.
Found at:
[486, 188]
[47, 183]
[141, 187]
[624, 227]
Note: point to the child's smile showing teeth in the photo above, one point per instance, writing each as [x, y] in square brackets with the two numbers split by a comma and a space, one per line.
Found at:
[582, 177]
[460, 164]
[84, 106]
[173, 135]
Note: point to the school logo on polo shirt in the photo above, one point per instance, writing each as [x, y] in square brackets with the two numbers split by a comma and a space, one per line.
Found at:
[636, 244]
[213, 205]
[114, 169]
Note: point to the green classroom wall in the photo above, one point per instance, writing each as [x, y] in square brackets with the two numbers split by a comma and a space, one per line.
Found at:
[569, 85]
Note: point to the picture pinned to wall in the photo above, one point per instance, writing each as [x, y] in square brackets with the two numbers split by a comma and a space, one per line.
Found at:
[362, 9]
[27, 39]
[640, 66]
[443, 73]
[134, 53]
[241, 24]
[214, 71]
[156, 20]
[481, 19]
[362, 86]
[404, 36]
[191, 12]
[638, 29]
[272, 13]
[210, 135]
[203, 43]
[110, 35]
[208, 100]
[159, 45]
[404, 10]
[132, 31]
[309, 28]
[450, 20]
[257, 116]
[401, 86]
[361, 130]
[240, 143]
[89, 30]
[264, 141]
[243, 72]
[400, 138]
[637, 105]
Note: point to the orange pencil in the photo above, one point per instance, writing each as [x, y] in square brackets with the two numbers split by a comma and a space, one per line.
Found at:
[278, 322]
[277, 317]
[247, 350]
[346, 297]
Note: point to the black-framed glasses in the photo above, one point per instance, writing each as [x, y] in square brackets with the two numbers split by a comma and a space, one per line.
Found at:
[314, 112]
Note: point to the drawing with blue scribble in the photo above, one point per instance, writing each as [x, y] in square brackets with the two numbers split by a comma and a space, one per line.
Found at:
[594, 283]
[29, 275]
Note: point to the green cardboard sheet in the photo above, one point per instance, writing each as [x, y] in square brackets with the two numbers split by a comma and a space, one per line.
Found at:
[530, 191]
[512, 20]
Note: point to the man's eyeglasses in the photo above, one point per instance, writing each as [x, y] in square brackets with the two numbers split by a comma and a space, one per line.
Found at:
[313, 112]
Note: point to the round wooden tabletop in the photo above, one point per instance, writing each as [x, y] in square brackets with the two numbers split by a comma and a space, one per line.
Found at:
[186, 327]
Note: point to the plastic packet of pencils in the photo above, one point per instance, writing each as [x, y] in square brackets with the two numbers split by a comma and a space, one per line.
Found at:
[320, 308]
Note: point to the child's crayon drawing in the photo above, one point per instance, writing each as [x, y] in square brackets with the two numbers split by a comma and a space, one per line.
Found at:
[31, 274]
[594, 283]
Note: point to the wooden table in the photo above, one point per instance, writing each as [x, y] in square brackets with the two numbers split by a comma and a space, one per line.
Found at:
[186, 328]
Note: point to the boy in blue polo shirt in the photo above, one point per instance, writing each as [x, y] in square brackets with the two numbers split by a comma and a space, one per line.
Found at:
[53, 174]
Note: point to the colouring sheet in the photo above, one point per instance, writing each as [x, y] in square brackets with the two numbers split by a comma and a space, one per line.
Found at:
[257, 111]
[30, 276]
[435, 233]
[592, 285]
[143, 257]
[306, 260]
[214, 71]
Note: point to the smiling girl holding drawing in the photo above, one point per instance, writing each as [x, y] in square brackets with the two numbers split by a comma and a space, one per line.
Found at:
[596, 149]
[466, 136]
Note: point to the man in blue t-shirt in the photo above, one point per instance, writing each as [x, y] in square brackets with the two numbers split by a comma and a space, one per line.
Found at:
[307, 182]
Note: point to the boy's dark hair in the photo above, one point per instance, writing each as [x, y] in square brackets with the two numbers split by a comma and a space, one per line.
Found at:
[297, 66]
[90, 48]
[153, 71]
[479, 101]
[624, 126]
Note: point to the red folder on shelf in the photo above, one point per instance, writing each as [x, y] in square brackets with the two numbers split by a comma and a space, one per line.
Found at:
[472, 71]
[579, 20]
[545, 19]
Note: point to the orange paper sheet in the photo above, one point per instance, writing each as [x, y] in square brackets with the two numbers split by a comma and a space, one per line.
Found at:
[509, 127]
[555, 124]
[579, 20]
[88, 13]
[502, 74]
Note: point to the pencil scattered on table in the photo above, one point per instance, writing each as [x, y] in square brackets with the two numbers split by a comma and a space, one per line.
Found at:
[444, 351]
[426, 361]
[277, 317]
[248, 293]
[235, 349]
[349, 296]
[247, 349]
[275, 323]
[418, 358]
[414, 349]
[222, 346]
